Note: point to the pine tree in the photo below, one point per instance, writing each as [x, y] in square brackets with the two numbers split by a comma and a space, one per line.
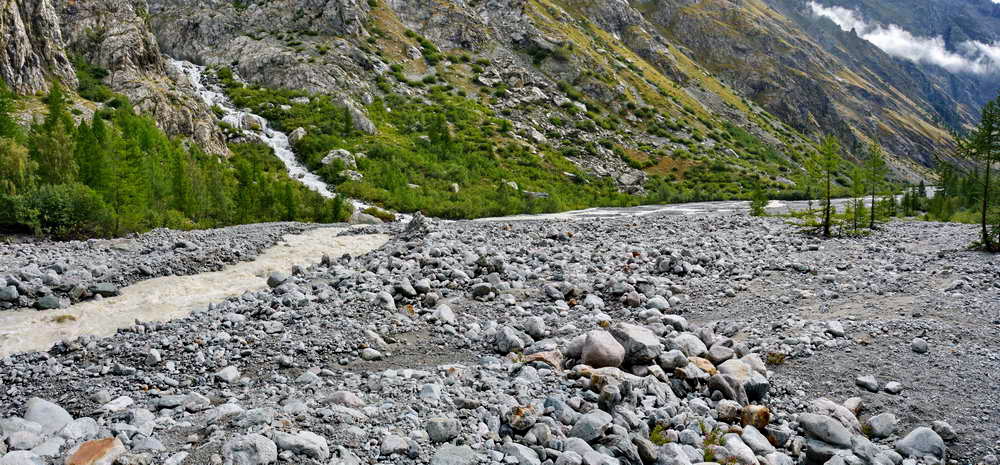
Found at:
[822, 167]
[875, 172]
[758, 200]
[858, 190]
[983, 145]
[181, 184]
[340, 209]
[51, 143]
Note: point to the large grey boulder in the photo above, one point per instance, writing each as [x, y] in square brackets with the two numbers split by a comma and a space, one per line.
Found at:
[8, 293]
[51, 416]
[363, 218]
[343, 155]
[882, 425]
[641, 344]
[21, 457]
[522, 455]
[825, 429]
[691, 345]
[251, 449]
[921, 442]
[359, 118]
[591, 426]
[507, 340]
[276, 278]
[442, 429]
[47, 302]
[454, 455]
[601, 349]
[739, 450]
[304, 442]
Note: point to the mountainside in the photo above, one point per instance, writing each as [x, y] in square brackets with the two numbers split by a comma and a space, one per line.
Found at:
[661, 99]
[32, 46]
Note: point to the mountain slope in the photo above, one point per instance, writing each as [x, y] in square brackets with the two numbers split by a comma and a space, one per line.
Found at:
[664, 100]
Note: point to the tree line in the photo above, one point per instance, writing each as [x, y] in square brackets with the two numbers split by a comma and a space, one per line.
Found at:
[968, 190]
[117, 173]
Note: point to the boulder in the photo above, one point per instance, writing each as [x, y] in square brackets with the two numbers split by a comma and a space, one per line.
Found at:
[921, 442]
[100, 452]
[601, 349]
[250, 449]
[50, 416]
[691, 345]
[454, 455]
[826, 429]
[641, 344]
[305, 443]
[591, 426]
[442, 429]
[882, 425]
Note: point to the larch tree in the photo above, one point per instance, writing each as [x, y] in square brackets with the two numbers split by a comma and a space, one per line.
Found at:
[875, 169]
[822, 167]
[982, 145]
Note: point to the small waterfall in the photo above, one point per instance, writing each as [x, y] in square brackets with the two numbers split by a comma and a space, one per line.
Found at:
[254, 125]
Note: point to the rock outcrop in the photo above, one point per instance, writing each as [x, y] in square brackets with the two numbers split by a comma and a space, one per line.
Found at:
[115, 35]
[32, 46]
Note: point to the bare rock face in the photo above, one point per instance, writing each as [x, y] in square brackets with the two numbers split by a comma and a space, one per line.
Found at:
[32, 47]
[218, 33]
[115, 35]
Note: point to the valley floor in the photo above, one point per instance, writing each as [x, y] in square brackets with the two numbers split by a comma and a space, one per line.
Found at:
[465, 342]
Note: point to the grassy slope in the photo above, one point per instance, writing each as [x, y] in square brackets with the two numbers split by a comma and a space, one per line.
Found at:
[705, 158]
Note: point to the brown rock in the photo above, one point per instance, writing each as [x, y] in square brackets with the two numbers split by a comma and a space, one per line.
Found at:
[756, 415]
[704, 364]
[553, 358]
[97, 452]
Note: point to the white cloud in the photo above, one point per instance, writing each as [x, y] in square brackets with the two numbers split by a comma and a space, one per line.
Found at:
[971, 57]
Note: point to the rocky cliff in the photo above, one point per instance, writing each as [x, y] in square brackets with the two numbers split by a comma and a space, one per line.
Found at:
[32, 46]
[115, 35]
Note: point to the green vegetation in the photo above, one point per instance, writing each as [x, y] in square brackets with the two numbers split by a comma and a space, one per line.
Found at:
[658, 435]
[119, 173]
[422, 147]
[982, 147]
[875, 171]
[758, 201]
[90, 85]
[822, 168]
[968, 191]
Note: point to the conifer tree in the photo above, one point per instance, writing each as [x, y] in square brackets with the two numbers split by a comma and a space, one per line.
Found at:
[858, 190]
[758, 200]
[822, 167]
[983, 146]
[51, 144]
[875, 169]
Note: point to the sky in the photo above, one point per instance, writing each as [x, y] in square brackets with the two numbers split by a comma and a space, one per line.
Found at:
[968, 57]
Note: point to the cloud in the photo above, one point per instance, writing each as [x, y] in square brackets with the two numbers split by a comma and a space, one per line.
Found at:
[970, 57]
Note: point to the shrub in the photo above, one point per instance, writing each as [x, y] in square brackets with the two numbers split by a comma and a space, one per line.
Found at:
[69, 211]
[90, 78]
[381, 214]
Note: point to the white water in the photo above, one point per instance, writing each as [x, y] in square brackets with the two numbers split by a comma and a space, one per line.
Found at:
[171, 297]
[277, 140]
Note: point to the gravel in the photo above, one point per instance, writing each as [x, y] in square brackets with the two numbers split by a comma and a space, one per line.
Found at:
[49, 275]
[545, 342]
